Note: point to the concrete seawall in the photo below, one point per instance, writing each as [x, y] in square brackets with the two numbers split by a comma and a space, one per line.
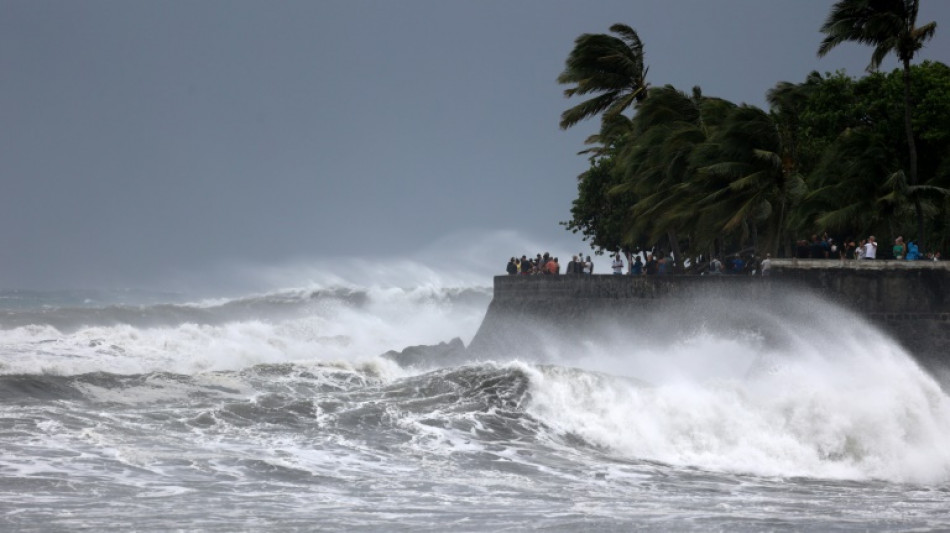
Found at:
[908, 300]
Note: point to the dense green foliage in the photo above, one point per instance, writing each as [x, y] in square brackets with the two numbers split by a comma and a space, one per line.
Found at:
[890, 26]
[697, 175]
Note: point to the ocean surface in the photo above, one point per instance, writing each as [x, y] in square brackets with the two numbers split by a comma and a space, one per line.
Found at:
[283, 411]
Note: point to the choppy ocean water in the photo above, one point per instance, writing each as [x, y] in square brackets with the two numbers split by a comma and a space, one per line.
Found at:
[280, 412]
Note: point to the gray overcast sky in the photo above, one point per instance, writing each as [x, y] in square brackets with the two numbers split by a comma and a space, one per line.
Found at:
[145, 139]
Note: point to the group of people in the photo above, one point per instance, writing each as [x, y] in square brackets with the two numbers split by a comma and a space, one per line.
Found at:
[911, 252]
[819, 247]
[656, 264]
[545, 264]
[750, 265]
[825, 247]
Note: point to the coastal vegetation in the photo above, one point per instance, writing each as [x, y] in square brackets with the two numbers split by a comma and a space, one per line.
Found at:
[698, 175]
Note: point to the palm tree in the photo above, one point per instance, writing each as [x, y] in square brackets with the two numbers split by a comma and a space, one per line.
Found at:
[609, 66]
[889, 26]
[853, 188]
[788, 102]
[656, 167]
[615, 131]
[748, 177]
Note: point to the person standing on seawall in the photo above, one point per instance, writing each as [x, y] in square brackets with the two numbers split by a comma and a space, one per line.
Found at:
[637, 268]
[913, 251]
[512, 267]
[766, 265]
[900, 249]
[848, 250]
[651, 266]
[870, 249]
[617, 265]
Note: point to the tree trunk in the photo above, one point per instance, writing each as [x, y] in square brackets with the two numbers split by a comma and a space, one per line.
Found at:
[779, 234]
[675, 249]
[912, 153]
[755, 235]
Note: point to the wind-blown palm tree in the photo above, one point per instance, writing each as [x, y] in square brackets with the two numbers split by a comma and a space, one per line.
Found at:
[850, 186]
[655, 163]
[608, 66]
[748, 180]
[657, 168]
[889, 26]
[615, 131]
[787, 102]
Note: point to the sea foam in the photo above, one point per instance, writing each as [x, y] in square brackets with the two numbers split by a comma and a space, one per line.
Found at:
[822, 401]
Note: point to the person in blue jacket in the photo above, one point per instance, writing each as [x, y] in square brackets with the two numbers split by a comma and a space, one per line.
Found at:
[913, 251]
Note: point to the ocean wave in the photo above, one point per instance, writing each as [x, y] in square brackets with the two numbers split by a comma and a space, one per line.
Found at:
[338, 324]
[789, 396]
[67, 316]
[847, 418]
[841, 415]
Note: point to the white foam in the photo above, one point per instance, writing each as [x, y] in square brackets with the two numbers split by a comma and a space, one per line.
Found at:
[408, 303]
[331, 330]
[835, 403]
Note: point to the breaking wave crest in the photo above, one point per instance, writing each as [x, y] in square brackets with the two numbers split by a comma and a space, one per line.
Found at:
[797, 421]
[336, 324]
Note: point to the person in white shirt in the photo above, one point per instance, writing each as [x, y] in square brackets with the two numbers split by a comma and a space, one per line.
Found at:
[870, 249]
[617, 265]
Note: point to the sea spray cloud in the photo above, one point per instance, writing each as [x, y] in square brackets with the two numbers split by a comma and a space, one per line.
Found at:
[352, 326]
[827, 395]
[459, 259]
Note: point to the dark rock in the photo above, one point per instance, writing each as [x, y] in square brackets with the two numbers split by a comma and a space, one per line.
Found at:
[439, 355]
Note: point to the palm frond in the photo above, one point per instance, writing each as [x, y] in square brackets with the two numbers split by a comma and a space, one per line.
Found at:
[606, 65]
[586, 109]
